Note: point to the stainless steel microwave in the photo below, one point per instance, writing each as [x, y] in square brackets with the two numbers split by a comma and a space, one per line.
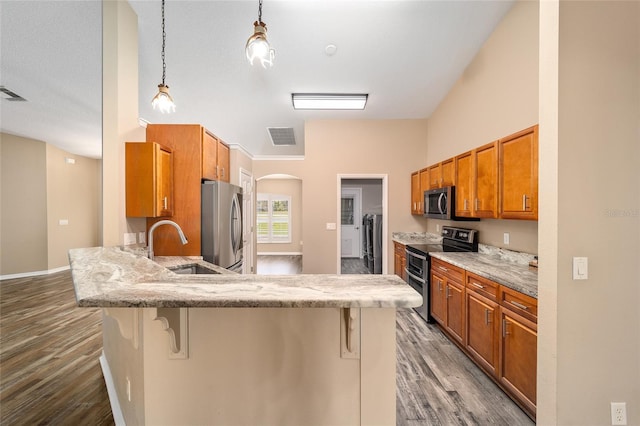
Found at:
[439, 203]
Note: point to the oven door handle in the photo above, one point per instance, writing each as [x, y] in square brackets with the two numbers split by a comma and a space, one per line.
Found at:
[415, 277]
[416, 255]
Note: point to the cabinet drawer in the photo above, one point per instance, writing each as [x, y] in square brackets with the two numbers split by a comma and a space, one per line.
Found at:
[446, 269]
[519, 303]
[483, 286]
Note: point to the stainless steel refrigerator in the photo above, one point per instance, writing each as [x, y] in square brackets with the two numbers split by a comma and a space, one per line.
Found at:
[222, 224]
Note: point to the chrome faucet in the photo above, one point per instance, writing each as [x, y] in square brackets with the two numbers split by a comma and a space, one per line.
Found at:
[164, 222]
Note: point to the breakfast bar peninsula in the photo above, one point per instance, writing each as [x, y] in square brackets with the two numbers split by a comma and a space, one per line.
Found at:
[229, 349]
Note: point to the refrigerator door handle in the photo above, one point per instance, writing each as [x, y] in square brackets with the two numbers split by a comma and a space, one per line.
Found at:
[236, 224]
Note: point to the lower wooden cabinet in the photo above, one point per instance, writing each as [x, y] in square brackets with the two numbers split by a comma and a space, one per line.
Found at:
[494, 325]
[483, 328]
[518, 357]
[399, 260]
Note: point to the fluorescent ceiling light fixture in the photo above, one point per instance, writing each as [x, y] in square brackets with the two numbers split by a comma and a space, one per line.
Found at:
[328, 100]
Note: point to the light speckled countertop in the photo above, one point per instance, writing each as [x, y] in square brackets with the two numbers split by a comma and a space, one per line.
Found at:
[112, 277]
[507, 272]
[416, 238]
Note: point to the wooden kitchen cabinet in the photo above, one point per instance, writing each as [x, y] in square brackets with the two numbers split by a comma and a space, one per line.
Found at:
[518, 171]
[399, 260]
[483, 322]
[485, 181]
[441, 174]
[215, 158]
[518, 358]
[447, 298]
[476, 180]
[148, 180]
[415, 193]
[464, 184]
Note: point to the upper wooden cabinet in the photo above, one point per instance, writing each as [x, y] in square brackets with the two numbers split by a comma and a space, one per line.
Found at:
[518, 171]
[476, 180]
[215, 158]
[419, 183]
[441, 174]
[148, 180]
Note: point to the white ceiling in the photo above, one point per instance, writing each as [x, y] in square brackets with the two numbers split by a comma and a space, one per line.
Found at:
[405, 54]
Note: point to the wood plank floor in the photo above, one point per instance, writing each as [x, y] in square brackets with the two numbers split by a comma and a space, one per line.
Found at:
[50, 373]
[49, 355]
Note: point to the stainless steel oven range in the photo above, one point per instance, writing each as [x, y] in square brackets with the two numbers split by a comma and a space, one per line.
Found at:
[418, 265]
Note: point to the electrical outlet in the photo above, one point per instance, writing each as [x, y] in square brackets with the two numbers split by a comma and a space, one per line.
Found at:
[129, 238]
[506, 238]
[618, 413]
[142, 237]
[437, 228]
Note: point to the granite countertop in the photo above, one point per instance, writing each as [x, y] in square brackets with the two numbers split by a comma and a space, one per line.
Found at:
[497, 266]
[113, 277]
[416, 238]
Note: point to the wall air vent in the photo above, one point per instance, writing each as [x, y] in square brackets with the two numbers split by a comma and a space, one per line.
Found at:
[282, 136]
[11, 96]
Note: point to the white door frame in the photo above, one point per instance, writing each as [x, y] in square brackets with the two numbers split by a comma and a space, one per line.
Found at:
[385, 214]
[357, 193]
[248, 195]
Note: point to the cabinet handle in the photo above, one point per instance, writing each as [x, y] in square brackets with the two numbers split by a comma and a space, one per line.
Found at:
[524, 202]
[223, 172]
[504, 327]
[476, 206]
[217, 170]
[519, 305]
[164, 203]
[464, 206]
[439, 285]
[447, 292]
[477, 285]
[486, 316]
[442, 268]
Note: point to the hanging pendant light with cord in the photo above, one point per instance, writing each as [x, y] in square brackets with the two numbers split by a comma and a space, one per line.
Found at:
[257, 46]
[163, 100]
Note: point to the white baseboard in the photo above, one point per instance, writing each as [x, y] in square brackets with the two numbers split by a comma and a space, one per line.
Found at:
[118, 418]
[271, 253]
[33, 274]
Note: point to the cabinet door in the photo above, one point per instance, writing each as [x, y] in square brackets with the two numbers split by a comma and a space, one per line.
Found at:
[223, 162]
[437, 296]
[209, 156]
[464, 180]
[424, 185]
[455, 309]
[518, 357]
[415, 192]
[164, 197]
[398, 257]
[448, 173]
[519, 175]
[482, 331]
[485, 198]
[148, 180]
[435, 176]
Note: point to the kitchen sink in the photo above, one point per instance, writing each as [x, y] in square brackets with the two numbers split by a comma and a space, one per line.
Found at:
[193, 269]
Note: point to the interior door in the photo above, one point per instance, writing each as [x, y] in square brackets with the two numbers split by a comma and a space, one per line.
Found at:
[351, 222]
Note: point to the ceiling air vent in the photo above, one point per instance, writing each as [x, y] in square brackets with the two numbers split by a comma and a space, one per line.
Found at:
[11, 96]
[282, 136]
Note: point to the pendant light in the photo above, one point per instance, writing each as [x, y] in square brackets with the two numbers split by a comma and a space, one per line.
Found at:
[163, 100]
[257, 46]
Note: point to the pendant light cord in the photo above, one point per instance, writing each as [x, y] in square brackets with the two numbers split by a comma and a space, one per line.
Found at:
[259, 12]
[164, 36]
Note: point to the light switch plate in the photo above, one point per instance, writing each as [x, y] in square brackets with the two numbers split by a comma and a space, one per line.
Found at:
[331, 226]
[142, 237]
[580, 268]
[129, 238]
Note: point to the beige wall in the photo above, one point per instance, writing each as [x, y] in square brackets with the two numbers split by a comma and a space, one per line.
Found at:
[38, 190]
[23, 192]
[496, 96]
[72, 194]
[292, 188]
[391, 147]
[589, 335]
